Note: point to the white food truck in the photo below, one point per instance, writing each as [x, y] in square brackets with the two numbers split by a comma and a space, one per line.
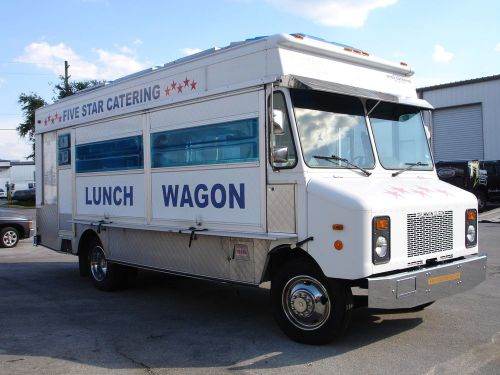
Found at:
[285, 158]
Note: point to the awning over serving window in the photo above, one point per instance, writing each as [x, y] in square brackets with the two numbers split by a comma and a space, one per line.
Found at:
[305, 83]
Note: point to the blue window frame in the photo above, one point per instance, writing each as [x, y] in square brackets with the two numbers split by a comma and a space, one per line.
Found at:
[64, 150]
[229, 142]
[111, 155]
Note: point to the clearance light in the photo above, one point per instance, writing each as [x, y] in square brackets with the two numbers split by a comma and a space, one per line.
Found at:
[403, 63]
[338, 226]
[338, 245]
[347, 49]
[298, 36]
[470, 228]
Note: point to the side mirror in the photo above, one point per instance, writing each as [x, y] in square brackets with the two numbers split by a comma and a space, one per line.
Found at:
[278, 122]
[279, 155]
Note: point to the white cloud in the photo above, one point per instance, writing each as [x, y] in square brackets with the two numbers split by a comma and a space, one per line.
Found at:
[109, 65]
[190, 51]
[441, 55]
[125, 49]
[497, 47]
[12, 147]
[137, 42]
[343, 13]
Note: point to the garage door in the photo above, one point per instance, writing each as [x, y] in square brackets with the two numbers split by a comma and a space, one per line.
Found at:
[458, 133]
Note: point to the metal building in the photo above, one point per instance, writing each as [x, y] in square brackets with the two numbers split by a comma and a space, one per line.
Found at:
[466, 121]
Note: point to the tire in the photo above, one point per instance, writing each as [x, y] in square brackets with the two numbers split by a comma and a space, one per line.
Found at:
[105, 276]
[481, 201]
[9, 237]
[308, 307]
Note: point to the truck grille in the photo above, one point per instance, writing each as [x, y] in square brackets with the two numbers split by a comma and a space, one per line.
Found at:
[429, 232]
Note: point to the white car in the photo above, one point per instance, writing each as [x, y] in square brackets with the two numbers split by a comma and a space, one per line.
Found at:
[3, 194]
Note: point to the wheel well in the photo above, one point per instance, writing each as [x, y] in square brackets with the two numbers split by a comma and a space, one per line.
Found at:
[18, 227]
[280, 255]
[83, 250]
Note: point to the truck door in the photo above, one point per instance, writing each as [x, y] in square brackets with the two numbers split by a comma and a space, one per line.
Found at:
[65, 185]
[282, 183]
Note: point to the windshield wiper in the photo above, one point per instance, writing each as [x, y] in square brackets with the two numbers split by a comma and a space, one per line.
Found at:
[410, 166]
[335, 158]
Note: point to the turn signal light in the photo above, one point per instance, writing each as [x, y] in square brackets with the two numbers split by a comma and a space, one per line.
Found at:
[471, 215]
[382, 223]
[338, 226]
[338, 245]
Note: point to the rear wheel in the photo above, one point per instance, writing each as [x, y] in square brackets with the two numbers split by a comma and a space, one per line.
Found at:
[9, 237]
[307, 306]
[105, 275]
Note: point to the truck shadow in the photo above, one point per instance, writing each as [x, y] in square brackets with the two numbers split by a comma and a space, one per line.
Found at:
[47, 310]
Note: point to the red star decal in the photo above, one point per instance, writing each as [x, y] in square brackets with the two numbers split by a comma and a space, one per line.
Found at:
[422, 193]
[401, 190]
[179, 89]
[49, 118]
[193, 85]
[167, 91]
[396, 194]
[45, 122]
[52, 120]
[173, 85]
[186, 82]
[56, 115]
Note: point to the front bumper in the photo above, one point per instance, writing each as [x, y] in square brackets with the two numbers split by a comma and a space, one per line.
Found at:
[415, 288]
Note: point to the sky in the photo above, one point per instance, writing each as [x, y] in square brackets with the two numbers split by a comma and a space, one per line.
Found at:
[442, 40]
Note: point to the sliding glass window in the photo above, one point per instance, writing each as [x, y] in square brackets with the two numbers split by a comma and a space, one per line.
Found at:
[110, 155]
[229, 142]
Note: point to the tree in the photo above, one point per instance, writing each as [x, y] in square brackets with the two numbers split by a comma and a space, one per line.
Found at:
[31, 102]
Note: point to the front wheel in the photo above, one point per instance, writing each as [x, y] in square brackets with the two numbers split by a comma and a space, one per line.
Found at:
[307, 306]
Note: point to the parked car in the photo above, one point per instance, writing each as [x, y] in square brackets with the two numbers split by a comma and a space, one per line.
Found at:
[25, 195]
[480, 177]
[3, 193]
[12, 229]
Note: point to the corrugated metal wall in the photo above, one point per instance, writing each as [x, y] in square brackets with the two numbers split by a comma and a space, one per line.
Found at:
[487, 94]
[457, 133]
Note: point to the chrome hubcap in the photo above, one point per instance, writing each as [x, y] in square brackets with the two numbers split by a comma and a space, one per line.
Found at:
[9, 238]
[98, 263]
[306, 302]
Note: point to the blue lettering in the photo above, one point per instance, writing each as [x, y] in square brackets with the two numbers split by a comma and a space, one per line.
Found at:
[109, 104]
[186, 197]
[84, 110]
[117, 201]
[233, 195]
[203, 202]
[87, 200]
[106, 195]
[213, 195]
[100, 105]
[129, 195]
[97, 200]
[170, 194]
[156, 92]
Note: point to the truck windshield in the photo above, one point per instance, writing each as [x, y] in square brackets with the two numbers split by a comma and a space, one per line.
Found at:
[399, 136]
[331, 124]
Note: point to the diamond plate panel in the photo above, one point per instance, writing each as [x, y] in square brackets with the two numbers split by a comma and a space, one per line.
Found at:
[281, 208]
[46, 225]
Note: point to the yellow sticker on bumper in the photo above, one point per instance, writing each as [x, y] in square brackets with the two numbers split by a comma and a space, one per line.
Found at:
[444, 278]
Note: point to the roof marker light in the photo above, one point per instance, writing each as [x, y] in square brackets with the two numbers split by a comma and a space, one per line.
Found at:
[298, 36]
[403, 63]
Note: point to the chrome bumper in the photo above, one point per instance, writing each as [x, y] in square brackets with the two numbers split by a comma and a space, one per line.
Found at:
[410, 289]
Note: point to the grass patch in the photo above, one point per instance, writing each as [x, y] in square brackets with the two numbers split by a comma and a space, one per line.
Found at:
[16, 204]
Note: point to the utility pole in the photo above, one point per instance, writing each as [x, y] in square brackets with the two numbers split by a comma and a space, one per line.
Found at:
[66, 78]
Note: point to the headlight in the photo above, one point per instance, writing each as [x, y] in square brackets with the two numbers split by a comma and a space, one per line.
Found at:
[381, 240]
[470, 228]
[381, 247]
